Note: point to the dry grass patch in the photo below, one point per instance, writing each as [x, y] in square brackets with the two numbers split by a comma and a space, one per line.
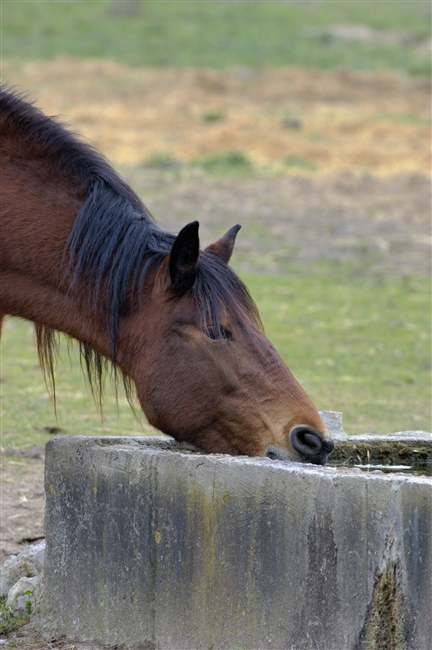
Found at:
[281, 120]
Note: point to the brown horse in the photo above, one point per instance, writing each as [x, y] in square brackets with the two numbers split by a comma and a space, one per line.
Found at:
[80, 254]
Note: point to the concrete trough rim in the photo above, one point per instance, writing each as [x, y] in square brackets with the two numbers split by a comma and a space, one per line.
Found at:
[165, 444]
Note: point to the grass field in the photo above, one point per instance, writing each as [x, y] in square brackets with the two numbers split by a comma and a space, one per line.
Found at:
[360, 346]
[222, 34]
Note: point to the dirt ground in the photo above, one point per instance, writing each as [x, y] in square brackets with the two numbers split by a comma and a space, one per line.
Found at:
[22, 501]
[366, 138]
[380, 224]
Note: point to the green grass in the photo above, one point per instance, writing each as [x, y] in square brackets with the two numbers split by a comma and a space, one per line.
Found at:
[10, 621]
[360, 345]
[230, 164]
[297, 163]
[28, 416]
[216, 34]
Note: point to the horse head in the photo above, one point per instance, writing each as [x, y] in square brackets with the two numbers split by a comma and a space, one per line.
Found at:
[204, 370]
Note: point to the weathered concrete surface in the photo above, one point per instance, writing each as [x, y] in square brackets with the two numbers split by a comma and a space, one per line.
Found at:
[152, 548]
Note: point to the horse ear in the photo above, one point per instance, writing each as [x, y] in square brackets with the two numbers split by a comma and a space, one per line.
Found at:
[223, 248]
[183, 259]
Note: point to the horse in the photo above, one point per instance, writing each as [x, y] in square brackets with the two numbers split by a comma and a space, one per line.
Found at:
[80, 254]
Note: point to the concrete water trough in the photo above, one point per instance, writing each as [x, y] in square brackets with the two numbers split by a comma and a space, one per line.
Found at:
[152, 546]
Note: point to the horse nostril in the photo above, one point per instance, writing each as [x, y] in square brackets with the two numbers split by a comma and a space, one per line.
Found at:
[310, 445]
[305, 441]
[311, 440]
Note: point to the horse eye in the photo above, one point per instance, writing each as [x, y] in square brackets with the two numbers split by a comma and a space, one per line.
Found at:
[227, 334]
[218, 333]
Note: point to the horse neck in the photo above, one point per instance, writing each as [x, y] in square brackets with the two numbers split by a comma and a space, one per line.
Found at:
[45, 305]
[38, 209]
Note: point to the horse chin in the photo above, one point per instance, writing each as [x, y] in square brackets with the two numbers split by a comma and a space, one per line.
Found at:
[275, 453]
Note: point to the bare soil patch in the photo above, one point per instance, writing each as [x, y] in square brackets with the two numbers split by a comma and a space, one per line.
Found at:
[22, 501]
[382, 225]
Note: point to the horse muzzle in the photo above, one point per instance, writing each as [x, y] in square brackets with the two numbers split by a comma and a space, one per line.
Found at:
[312, 447]
[309, 445]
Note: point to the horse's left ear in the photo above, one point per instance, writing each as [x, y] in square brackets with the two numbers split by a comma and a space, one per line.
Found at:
[183, 259]
[223, 248]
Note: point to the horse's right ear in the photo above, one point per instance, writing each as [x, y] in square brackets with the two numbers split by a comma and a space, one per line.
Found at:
[223, 248]
[183, 259]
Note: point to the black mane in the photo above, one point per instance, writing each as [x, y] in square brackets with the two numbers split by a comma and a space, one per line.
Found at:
[111, 246]
[114, 240]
